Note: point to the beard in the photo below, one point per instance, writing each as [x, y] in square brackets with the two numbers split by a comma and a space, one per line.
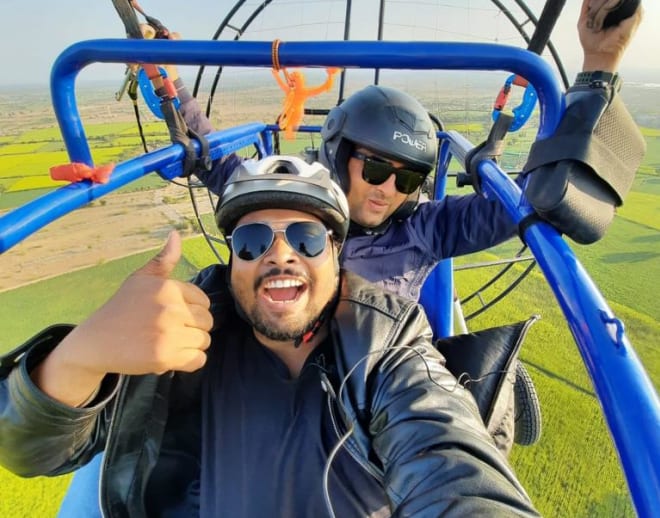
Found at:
[291, 327]
[281, 331]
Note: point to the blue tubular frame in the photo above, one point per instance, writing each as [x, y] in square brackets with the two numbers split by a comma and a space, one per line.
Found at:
[27, 219]
[626, 393]
[628, 398]
[362, 54]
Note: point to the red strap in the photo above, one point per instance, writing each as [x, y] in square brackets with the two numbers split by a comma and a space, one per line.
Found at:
[502, 98]
[77, 171]
[520, 81]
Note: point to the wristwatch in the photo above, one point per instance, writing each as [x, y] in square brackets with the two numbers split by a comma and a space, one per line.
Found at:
[599, 79]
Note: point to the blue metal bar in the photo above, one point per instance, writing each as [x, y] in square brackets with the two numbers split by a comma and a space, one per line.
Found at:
[437, 293]
[365, 54]
[27, 219]
[627, 395]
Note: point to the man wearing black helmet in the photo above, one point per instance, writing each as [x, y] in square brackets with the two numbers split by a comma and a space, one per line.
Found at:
[278, 386]
[380, 145]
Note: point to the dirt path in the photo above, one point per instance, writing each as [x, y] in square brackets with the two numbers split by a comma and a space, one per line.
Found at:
[113, 227]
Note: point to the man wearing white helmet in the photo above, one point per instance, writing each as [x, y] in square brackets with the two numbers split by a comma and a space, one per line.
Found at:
[279, 385]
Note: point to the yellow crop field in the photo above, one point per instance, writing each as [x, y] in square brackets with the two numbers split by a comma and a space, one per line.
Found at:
[643, 208]
[114, 128]
[27, 171]
[650, 132]
[30, 164]
[154, 128]
[41, 135]
[20, 148]
[107, 154]
[34, 182]
[466, 127]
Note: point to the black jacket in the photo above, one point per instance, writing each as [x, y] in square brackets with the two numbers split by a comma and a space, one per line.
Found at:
[415, 428]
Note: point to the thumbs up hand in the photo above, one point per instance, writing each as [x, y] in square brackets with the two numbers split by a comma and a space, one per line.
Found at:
[153, 324]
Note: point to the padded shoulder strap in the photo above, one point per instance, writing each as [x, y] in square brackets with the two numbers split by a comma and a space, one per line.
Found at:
[596, 130]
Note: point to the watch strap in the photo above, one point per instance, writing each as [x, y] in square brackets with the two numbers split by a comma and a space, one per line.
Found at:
[598, 79]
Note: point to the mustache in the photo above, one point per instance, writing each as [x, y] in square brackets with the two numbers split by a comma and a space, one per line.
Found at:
[274, 272]
[379, 195]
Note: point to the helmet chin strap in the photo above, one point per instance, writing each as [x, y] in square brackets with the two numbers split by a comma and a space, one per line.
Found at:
[327, 311]
[307, 337]
[355, 229]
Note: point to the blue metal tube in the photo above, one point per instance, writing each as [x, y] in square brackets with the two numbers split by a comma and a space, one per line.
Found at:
[366, 54]
[627, 395]
[437, 294]
[27, 219]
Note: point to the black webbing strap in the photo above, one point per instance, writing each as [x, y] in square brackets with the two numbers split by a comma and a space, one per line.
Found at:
[546, 23]
[176, 126]
[491, 148]
[527, 222]
[180, 133]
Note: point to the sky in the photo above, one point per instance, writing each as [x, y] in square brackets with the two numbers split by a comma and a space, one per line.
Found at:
[33, 34]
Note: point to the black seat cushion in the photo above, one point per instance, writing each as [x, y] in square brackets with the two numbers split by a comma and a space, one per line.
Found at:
[485, 363]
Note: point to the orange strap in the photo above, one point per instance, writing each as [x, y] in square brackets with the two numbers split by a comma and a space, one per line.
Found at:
[77, 171]
[275, 54]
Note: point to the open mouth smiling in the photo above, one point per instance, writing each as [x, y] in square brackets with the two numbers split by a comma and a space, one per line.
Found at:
[284, 291]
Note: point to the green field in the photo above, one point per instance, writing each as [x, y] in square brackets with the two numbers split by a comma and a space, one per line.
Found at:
[573, 471]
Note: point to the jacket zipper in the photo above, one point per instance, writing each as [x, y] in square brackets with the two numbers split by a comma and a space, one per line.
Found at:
[110, 440]
[349, 446]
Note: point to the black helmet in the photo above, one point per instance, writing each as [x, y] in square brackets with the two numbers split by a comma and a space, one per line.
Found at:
[283, 182]
[384, 120]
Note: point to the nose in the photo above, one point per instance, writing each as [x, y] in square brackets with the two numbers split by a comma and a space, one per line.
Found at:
[389, 185]
[280, 252]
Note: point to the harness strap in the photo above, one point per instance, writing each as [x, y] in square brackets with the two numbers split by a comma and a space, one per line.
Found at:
[180, 133]
[165, 89]
[127, 14]
[491, 148]
[529, 220]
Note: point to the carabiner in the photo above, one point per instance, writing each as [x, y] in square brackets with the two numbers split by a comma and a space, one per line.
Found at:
[149, 95]
[523, 111]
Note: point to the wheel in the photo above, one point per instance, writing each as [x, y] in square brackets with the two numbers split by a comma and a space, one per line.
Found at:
[528, 425]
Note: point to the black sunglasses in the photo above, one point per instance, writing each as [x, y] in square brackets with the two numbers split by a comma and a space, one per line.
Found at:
[252, 240]
[377, 171]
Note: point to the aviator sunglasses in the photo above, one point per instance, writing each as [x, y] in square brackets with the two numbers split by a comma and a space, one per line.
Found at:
[252, 240]
[376, 171]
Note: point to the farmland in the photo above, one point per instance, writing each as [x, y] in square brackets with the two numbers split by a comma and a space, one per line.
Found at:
[573, 471]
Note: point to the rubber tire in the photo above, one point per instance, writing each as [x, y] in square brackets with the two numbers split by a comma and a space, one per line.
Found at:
[528, 423]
